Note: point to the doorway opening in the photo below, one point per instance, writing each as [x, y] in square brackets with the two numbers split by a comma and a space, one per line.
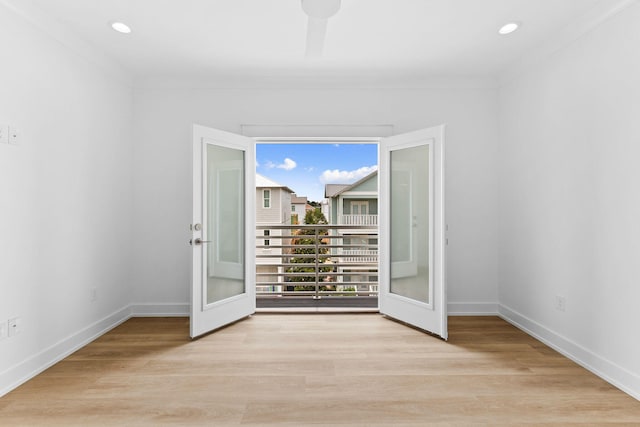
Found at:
[411, 230]
[317, 224]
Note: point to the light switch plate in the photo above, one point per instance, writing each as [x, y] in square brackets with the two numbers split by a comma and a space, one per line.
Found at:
[4, 134]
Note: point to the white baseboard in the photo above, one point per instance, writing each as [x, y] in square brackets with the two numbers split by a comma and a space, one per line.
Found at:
[472, 309]
[160, 309]
[605, 369]
[29, 368]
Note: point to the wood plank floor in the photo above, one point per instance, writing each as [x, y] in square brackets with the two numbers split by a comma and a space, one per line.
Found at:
[317, 369]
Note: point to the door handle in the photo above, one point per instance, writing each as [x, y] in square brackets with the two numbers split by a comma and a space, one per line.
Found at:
[199, 241]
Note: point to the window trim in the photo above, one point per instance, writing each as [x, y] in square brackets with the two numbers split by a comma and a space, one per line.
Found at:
[266, 198]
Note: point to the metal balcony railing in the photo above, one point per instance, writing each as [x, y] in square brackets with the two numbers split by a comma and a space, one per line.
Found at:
[316, 260]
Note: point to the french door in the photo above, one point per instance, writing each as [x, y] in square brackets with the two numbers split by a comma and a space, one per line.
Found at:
[223, 230]
[412, 252]
[359, 208]
[412, 241]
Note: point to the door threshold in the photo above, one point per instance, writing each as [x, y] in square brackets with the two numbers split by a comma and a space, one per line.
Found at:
[292, 310]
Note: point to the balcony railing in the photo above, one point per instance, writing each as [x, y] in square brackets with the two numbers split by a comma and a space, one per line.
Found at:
[367, 220]
[364, 256]
[315, 261]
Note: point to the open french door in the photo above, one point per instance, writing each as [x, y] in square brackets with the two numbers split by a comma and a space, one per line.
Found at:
[412, 229]
[223, 240]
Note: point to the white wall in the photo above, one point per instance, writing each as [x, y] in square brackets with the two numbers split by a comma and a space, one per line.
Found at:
[163, 169]
[570, 199]
[65, 196]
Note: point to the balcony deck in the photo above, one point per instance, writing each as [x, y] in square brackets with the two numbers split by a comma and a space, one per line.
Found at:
[357, 303]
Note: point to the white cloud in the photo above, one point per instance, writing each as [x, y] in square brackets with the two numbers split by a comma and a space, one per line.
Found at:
[337, 176]
[287, 164]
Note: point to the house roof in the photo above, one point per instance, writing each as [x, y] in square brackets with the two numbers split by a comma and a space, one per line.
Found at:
[264, 182]
[296, 200]
[337, 189]
[331, 190]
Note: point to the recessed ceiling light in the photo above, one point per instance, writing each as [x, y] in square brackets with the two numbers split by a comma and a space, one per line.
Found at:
[508, 28]
[120, 27]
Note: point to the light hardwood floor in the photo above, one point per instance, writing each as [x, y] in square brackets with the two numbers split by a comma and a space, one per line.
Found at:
[334, 369]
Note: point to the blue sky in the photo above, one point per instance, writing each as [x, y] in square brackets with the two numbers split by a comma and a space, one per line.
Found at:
[306, 168]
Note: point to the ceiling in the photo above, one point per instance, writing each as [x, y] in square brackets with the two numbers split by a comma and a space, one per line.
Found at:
[189, 38]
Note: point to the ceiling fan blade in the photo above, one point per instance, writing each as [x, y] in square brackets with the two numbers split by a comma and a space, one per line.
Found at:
[316, 35]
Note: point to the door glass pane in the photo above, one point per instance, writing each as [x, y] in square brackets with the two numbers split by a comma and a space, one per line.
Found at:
[410, 223]
[224, 223]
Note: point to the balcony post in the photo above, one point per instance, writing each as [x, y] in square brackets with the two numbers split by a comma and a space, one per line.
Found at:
[317, 296]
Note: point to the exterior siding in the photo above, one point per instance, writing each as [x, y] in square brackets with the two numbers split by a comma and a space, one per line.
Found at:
[334, 212]
[370, 184]
[273, 214]
[278, 212]
[275, 240]
[284, 198]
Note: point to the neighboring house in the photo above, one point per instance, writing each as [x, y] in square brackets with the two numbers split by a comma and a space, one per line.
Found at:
[298, 209]
[353, 204]
[356, 204]
[329, 204]
[273, 207]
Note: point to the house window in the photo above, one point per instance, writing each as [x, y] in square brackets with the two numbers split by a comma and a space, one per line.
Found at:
[294, 219]
[266, 198]
[267, 233]
[293, 208]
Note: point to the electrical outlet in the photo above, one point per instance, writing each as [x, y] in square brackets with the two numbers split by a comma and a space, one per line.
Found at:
[94, 294]
[4, 134]
[14, 135]
[15, 326]
[4, 330]
[561, 303]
